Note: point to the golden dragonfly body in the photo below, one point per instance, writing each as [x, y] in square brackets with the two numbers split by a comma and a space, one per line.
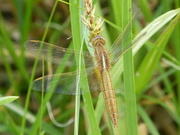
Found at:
[103, 61]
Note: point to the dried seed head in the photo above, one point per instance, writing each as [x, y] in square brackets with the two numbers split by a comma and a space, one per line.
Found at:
[92, 23]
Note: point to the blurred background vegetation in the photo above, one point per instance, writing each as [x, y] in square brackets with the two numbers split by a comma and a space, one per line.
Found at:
[158, 94]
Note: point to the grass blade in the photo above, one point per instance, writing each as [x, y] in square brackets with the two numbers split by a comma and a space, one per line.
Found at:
[8, 99]
[129, 85]
[76, 34]
[150, 61]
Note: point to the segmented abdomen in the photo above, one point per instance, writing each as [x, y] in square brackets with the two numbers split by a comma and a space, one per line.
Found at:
[109, 97]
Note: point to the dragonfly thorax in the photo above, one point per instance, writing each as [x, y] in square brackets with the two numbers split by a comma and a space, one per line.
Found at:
[98, 40]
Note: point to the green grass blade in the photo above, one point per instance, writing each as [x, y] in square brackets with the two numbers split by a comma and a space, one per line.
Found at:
[7, 99]
[117, 14]
[77, 40]
[150, 61]
[129, 85]
[154, 26]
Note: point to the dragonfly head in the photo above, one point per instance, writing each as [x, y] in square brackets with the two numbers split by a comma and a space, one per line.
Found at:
[98, 40]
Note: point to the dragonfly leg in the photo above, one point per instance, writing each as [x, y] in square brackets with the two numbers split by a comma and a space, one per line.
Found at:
[91, 46]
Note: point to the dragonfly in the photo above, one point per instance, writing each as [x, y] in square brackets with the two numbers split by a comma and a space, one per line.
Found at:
[96, 71]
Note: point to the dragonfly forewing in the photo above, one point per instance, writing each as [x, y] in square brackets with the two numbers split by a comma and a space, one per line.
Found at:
[116, 51]
[58, 55]
[124, 50]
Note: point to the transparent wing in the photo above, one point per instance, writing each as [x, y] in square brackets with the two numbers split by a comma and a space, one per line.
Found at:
[56, 54]
[122, 37]
[117, 49]
[123, 51]
[67, 83]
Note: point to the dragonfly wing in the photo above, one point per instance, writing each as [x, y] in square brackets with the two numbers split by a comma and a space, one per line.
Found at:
[56, 54]
[115, 59]
[117, 49]
[68, 83]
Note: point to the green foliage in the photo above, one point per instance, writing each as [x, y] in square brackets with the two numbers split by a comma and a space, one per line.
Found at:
[8, 99]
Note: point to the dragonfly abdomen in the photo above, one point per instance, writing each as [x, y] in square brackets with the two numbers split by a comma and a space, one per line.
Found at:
[109, 97]
[104, 65]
